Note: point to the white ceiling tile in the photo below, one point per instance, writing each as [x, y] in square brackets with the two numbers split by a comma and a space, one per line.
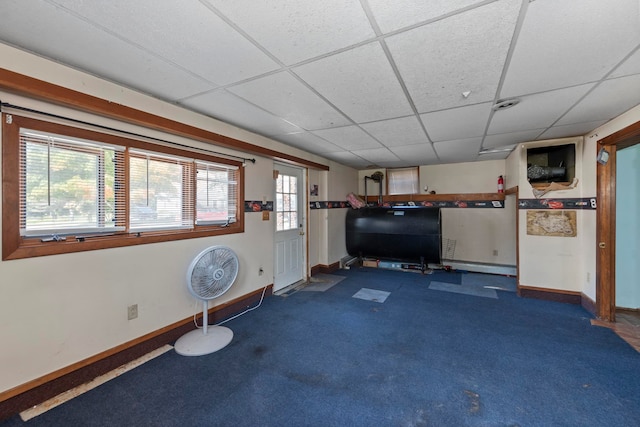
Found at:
[136, 68]
[537, 111]
[394, 132]
[558, 47]
[360, 82]
[571, 130]
[294, 31]
[417, 154]
[608, 100]
[309, 142]
[186, 33]
[465, 52]
[181, 51]
[457, 123]
[229, 108]
[348, 137]
[458, 151]
[628, 67]
[348, 158]
[507, 139]
[376, 155]
[393, 15]
[283, 95]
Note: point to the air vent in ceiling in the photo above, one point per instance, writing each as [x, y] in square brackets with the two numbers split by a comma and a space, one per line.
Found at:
[503, 104]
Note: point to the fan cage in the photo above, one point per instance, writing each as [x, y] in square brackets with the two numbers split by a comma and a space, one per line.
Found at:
[212, 272]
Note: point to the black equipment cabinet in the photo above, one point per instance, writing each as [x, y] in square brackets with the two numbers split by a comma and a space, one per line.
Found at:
[410, 234]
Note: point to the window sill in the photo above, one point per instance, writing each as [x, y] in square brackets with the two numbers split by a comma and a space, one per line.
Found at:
[33, 247]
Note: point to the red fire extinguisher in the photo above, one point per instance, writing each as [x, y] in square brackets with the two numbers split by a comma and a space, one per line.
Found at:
[500, 184]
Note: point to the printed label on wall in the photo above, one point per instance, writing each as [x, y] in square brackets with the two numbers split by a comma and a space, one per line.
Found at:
[254, 206]
[583, 203]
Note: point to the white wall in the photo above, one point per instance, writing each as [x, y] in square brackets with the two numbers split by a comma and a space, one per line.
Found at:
[549, 261]
[478, 233]
[341, 182]
[58, 310]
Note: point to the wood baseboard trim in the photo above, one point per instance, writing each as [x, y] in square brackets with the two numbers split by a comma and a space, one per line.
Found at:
[326, 269]
[37, 391]
[588, 304]
[557, 295]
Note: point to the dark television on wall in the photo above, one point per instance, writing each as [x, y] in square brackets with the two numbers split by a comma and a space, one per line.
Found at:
[556, 163]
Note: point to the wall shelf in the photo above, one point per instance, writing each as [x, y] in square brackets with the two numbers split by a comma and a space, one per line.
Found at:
[460, 197]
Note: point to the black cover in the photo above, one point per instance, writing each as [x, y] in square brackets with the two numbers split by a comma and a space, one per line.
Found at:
[409, 233]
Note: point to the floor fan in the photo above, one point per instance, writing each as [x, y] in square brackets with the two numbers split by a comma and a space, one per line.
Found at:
[211, 274]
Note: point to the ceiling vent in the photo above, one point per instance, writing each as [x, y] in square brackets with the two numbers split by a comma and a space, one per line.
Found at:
[503, 104]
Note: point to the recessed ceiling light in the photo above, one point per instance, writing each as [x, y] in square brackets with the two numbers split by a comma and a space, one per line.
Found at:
[503, 104]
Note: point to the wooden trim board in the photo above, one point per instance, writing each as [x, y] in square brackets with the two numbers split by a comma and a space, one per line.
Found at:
[39, 390]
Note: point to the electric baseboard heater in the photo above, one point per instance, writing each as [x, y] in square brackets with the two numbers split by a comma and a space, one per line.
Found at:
[410, 234]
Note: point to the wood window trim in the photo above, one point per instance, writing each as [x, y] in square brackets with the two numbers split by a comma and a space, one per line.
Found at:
[15, 246]
[38, 89]
[605, 220]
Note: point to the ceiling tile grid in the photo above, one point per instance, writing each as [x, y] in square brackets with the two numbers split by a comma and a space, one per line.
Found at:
[349, 138]
[137, 68]
[457, 123]
[284, 96]
[215, 50]
[227, 107]
[441, 61]
[396, 132]
[418, 154]
[366, 83]
[570, 42]
[294, 30]
[360, 82]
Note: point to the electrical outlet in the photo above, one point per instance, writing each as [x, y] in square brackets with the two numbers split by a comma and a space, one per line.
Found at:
[132, 311]
[260, 271]
[495, 252]
[588, 277]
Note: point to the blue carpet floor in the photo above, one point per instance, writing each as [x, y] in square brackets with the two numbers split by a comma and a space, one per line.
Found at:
[423, 357]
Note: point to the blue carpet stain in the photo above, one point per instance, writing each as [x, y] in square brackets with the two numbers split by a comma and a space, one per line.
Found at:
[423, 358]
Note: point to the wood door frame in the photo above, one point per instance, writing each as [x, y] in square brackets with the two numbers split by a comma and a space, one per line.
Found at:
[606, 221]
[303, 209]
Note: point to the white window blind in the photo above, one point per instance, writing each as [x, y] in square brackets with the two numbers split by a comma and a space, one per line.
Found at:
[216, 193]
[69, 185]
[160, 191]
[403, 181]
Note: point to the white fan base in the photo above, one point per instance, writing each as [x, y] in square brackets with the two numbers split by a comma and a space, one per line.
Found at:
[197, 343]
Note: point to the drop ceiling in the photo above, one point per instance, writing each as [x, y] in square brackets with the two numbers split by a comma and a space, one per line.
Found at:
[364, 83]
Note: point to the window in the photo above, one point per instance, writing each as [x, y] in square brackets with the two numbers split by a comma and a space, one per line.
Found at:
[403, 181]
[160, 194]
[67, 185]
[217, 185]
[286, 202]
[68, 190]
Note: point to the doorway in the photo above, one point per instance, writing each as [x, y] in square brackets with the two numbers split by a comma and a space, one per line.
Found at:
[290, 232]
[606, 220]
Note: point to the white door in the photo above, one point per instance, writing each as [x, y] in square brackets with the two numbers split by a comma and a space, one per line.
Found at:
[290, 247]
